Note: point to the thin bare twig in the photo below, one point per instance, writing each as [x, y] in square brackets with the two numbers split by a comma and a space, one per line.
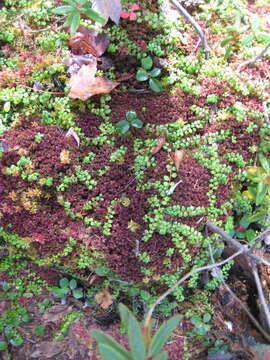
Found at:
[254, 59]
[247, 250]
[179, 282]
[265, 307]
[194, 23]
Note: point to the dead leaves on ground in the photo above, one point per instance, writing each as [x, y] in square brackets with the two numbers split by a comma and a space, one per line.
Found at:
[104, 299]
[85, 84]
[108, 9]
[87, 41]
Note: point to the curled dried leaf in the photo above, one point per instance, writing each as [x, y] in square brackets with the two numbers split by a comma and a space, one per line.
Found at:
[104, 299]
[160, 143]
[178, 158]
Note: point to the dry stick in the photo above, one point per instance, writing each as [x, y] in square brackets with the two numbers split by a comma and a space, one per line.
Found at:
[194, 23]
[179, 282]
[261, 295]
[245, 249]
[256, 58]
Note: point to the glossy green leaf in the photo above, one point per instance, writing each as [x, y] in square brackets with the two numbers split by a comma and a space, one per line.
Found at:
[64, 283]
[135, 339]
[131, 115]
[261, 192]
[206, 317]
[142, 75]
[107, 340]
[73, 284]
[93, 15]
[75, 22]
[264, 162]
[155, 85]
[137, 123]
[63, 10]
[124, 312]
[155, 72]
[122, 126]
[147, 63]
[161, 356]
[163, 334]
[78, 293]
[109, 353]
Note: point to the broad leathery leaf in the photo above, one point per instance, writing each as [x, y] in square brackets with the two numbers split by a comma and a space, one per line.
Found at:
[63, 10]
[161, 356]
[155, 72]
[163, 334]
[261, 192]
[264, 162]
[122, 126]
[178, 158]
[75, 22]
[142, 75]
[137, 123]
[105, 339]
[155, 85]
[147, 63]
[109, 353]
[92, 14]
[135, 339]
[161, 142]
[84, 84]
[124, 313]
[64, 282]
[108, 9]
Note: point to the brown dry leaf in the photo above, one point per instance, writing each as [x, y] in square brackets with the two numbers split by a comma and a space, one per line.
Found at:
[161, 142]
[87, 41]
[49, 349]
[104, 299]
[56, 313]
[178, 158]
[108, 9]
[84, 83]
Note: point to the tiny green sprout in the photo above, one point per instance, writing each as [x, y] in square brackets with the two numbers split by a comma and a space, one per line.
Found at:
[67, 288]
[145, 74]
[73, 10]
[38, 137]
[212, 98]
[131, 121]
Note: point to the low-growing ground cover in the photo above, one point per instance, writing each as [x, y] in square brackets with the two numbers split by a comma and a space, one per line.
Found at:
[114, 190]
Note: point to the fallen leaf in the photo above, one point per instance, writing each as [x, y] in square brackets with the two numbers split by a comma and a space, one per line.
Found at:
[108, 9]
[75, 62]
[84, 84]
[87, 41]
[161, 142]
[72, 133]
[104, 299]
[49, 349]
[56, 313]
[178, 158]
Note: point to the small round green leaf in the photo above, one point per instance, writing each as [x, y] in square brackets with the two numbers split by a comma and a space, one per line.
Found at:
[137, 123]
[73, 284]
[131, 115]
[155, 72]
[64, 283]
[206, 317]
[122, 126]
[147, 63]
[77, 293]
[6, 106]
[142, 75]
[155, 85]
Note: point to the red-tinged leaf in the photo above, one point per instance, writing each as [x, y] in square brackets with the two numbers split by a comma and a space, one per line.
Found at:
[87, 41]
[108, 9]
[132, 16]
[72, 133]
[84, 84]
[134, 7]
[125, 14]
[178, 158]
[161, 142]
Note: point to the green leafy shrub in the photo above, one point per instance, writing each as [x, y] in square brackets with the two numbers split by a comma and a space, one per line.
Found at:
[142, 343]
[67, 287]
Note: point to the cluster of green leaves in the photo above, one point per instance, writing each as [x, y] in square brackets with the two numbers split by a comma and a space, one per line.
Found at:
[144, 74]
[143, 346]
[131, 121]
[73, 10]
[67, 288]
